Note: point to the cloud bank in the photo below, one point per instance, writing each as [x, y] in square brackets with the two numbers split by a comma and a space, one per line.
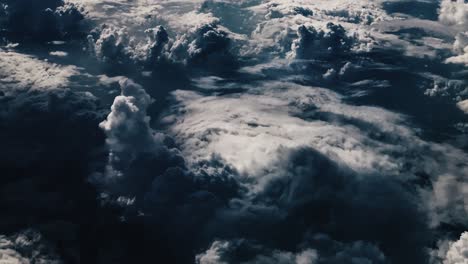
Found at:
[286, 131]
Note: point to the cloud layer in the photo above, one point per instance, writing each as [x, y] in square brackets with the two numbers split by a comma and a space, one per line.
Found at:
[213, 132]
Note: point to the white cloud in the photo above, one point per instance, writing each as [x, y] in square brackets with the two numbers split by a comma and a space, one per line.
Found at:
[213, 254]
[458, 251]
[26, 247]
[58, 53]
[127, 129]
[219, 253]
[463, 105]
[255, 131]
[449, 199]
[454, 13]
[24, 72]
[460, 46]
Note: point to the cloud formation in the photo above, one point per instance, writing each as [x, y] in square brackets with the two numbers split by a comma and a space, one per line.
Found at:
[44, 20]
[193, 131]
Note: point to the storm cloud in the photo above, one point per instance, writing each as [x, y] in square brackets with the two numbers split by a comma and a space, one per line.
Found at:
[219, 132]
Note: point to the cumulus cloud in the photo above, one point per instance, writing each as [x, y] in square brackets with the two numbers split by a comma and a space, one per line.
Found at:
[454, 12]
[260, 131]
[45, 20]
[321, 149]
[463, 105]
[245, 252]
[204, 46]
[111, 45]
[450, 199]
[26, 247]
[248, 252]
[460, 46]
[24, 72]
[458, 251]
[317, 44]
[158, 38]
[45, 163]
[128, 130]
[284, 106]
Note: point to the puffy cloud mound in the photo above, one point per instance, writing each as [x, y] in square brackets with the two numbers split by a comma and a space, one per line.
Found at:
[246, 252]
[249, 252]
[128, 130]
[111, 45]
[50, 143]
[20, 72]
[454, 13]
[206, 46]
[271, 168]
[310, 160]
[450, 199]
[316, 44]
[157, 39]
[458, 251]
[41, 20]
[460, 46]
[114, 45]
[26, 247]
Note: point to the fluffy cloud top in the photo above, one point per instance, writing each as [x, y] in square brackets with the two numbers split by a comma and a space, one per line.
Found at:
[454, 12]
[44, 20]
[317, 44]
[323, 148]
[127, 128]
[23, 72]
[25, 248]
[226, 252]
[458, 251]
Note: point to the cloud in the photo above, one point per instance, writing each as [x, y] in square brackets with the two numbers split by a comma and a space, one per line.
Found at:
[304, 149]
[315, 44]
[58, 53]
[45, 163]
[24, 72]
[458, 251]
[321, 149]
[450, 199]
[111, 45]
[454, 13]
[249, 118]
[158, 38]
[45, 20]
[463, 105]
[205, 46]
[315, 195]
[245, 252]
[128, 131]
[249, 252]
[460, 46]
[26, 247]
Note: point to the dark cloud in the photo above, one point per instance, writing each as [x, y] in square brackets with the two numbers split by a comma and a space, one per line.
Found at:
[158, 39]
[27, 246]
[41, 20]
[315, 195]
[316, 44]
[45, 162]
[84, 182]
[206, 47]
